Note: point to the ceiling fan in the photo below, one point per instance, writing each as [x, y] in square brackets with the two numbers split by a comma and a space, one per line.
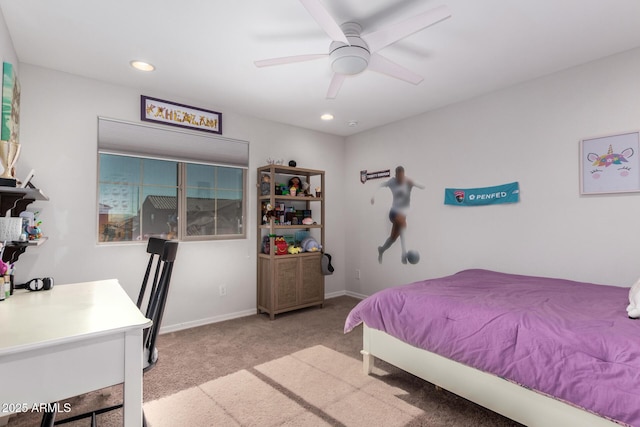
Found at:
[352, 53]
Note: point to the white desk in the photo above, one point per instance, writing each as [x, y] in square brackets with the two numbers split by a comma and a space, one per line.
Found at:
[69, 341]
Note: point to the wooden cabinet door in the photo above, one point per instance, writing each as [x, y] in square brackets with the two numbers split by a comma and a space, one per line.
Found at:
[286, 282]
[312, 280]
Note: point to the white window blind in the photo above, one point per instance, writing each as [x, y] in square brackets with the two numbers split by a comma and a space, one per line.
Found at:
[136, 139]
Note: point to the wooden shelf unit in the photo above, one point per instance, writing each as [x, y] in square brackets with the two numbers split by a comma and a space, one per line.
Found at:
[292, 281]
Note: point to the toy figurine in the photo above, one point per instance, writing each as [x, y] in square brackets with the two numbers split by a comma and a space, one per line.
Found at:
[305, 188]
[296, 183]
[267, 212]
[298, 187]
[34, 232]
[265, 185]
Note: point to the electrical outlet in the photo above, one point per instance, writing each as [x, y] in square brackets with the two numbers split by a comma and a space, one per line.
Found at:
[223, 291]
[357, 274]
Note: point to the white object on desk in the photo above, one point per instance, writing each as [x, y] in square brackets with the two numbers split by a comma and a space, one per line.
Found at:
[69, 341]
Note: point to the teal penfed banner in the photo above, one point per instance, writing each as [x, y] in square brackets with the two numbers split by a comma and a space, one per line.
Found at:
[506, 193]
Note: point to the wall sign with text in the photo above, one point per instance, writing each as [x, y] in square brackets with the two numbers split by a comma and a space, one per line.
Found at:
[499, 194]
[365, 175]
[184, 116]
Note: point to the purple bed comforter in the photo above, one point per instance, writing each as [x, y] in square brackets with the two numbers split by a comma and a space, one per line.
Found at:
[568, 339]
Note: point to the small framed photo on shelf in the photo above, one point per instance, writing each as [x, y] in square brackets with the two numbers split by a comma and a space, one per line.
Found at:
[610, 164]
[27, 181]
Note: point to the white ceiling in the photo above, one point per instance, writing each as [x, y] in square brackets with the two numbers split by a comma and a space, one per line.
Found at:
[204, 50]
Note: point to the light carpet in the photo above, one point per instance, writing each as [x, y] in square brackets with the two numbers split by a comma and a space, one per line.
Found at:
[316, 386]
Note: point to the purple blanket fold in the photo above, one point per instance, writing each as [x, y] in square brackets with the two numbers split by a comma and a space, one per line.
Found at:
[570, 340]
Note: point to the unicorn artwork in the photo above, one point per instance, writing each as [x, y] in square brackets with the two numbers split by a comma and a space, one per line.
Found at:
[611, 170]
[610, 159]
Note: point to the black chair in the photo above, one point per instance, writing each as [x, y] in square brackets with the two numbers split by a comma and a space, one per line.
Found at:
[162, 254]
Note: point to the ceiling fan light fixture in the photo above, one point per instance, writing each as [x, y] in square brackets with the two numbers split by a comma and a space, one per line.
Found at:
[349, 65]
[351, 54]
[349, 59]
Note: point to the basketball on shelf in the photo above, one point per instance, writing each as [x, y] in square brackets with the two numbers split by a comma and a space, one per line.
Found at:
[413, 256]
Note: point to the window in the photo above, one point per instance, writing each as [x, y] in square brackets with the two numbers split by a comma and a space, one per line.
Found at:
[172, 183]
[214, 200]
[140, 197]
[154, 181]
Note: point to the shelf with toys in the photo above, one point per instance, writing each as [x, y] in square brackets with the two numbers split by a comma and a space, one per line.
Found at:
[291, 236]
[14, 202]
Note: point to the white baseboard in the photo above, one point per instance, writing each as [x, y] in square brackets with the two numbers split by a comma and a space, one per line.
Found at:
[207, 321]
[334, 294]
[345, 293]
[355, 295]
[215, 319]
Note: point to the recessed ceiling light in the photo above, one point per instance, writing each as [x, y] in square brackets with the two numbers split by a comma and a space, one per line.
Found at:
[352, 123]
[327, 116]
[142, 66]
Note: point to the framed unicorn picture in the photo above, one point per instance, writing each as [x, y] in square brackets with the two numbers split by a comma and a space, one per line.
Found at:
[610, 164]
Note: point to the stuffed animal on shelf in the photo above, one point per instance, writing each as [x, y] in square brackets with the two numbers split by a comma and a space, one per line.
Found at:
[633, 309]
[265, 184]
[310, 244]
[305, 188]
[293, 249]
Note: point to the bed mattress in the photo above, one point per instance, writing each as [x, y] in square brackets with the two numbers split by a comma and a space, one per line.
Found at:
[570, 340]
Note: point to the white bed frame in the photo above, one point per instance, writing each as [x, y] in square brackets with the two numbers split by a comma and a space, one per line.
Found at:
[511, 400]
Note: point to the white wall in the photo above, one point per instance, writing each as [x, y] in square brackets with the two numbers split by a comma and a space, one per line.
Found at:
[528, 133]
[58, 135]
[7, 52]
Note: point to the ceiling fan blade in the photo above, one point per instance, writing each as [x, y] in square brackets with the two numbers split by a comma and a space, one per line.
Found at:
[326, 21]
[380, 64]
[391, 34]
[288, 59]
[335, 85]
